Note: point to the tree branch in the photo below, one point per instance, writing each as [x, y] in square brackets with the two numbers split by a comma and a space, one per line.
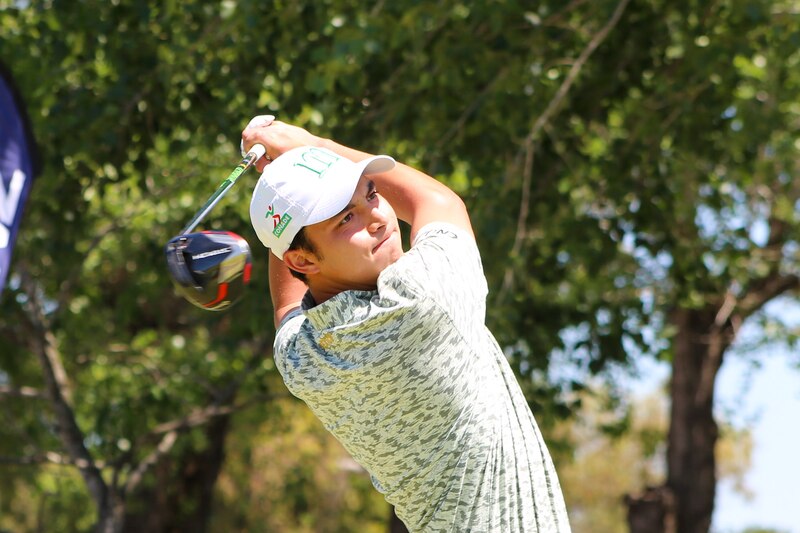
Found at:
[559, 16]
[169, 431]
[532, 137]
[764, 290]
[54, 458]
[44, 344]
[574, 71]
[727, 321]
[470, 109]
[20, 392]
[198, 417]
[161, 450]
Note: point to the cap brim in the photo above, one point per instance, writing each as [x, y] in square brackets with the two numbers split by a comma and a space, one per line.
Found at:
[377, 164]
[313, 200]
[340, 194]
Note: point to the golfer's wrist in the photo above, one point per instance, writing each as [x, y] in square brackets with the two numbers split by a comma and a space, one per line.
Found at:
[342, 150]
[330, 144]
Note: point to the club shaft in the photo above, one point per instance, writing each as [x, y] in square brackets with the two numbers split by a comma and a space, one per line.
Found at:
[223, 188]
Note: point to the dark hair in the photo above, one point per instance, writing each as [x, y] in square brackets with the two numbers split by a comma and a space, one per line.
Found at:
[302, 242]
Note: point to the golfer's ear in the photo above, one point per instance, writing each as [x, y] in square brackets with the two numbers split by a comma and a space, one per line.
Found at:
[301, 261]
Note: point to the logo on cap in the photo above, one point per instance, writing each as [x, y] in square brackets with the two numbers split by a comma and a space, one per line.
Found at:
[317, 161]
[279, 222]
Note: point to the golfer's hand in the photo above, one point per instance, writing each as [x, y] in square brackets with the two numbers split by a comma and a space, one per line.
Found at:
[276, 136]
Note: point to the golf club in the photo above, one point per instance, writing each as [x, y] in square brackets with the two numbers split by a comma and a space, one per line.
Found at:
[211, 269]
[255, 153]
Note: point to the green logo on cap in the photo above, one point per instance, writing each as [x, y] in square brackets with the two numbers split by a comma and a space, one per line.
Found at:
[317, 161]
[281, 225]
[279, 222]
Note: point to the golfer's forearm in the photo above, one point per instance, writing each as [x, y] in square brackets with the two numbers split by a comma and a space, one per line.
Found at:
[416, 197]
[285, 290]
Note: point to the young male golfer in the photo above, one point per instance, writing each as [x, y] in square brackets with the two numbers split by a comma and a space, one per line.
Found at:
[389, 348]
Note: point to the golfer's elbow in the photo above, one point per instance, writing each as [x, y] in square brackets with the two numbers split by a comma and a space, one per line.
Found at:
[452, 203]
[444, 205]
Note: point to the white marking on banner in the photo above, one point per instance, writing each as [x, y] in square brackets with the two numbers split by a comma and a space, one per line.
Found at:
[9, 203]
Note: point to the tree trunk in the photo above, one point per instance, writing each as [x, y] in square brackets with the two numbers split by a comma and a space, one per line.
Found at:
[686, 503]
[691, 466]
[181, 497]
[111, 514]
[652, 511]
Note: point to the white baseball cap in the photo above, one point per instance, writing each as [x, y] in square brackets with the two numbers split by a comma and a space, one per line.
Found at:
[304, 186]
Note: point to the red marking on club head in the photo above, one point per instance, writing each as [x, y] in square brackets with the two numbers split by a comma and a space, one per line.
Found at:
[222, 292]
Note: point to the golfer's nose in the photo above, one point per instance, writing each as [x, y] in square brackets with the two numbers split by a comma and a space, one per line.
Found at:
[377, 220]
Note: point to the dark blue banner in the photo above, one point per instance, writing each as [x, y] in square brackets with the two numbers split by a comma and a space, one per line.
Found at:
[16, 168]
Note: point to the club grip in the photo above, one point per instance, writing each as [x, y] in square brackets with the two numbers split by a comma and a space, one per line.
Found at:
[259, 150]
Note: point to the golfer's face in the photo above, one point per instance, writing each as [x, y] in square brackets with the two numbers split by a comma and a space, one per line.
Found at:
[357, 244]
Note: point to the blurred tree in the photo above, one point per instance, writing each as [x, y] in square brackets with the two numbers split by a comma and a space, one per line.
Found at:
[127, 383]
[607, 433]
[292, 475]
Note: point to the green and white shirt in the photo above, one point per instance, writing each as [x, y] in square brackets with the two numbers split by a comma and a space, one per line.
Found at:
[417, 390]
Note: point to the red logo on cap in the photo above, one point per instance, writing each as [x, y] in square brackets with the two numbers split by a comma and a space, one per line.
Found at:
[276, 219]
[279, 222]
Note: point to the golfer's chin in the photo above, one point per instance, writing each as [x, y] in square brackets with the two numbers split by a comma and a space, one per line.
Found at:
[388, 251]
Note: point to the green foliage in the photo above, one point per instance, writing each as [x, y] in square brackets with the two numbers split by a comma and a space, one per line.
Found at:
[50, 499]
[291, 475]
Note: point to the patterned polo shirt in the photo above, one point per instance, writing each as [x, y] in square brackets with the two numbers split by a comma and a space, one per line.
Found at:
[418, 391]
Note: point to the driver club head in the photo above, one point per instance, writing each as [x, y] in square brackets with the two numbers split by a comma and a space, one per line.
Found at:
[210, 269]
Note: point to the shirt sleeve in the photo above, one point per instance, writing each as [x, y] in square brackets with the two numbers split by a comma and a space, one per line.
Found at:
[444, 264]
[286, 334]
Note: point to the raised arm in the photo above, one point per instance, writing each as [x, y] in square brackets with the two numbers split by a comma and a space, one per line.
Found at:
[285, 290]
[416, 197]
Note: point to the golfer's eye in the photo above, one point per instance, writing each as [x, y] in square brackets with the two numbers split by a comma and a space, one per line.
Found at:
[346, 219]
[372, 194]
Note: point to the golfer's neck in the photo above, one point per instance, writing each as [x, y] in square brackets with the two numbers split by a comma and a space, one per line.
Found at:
[324, 289]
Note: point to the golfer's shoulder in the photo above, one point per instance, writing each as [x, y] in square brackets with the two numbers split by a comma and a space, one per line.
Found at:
[440, 243]
[443, 249]
[444, 234]
[443, 263]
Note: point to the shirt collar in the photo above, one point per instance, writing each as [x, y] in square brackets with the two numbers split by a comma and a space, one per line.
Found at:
[344, 308]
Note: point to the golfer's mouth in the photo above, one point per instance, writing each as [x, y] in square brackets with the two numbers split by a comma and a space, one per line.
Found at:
[388, 236]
